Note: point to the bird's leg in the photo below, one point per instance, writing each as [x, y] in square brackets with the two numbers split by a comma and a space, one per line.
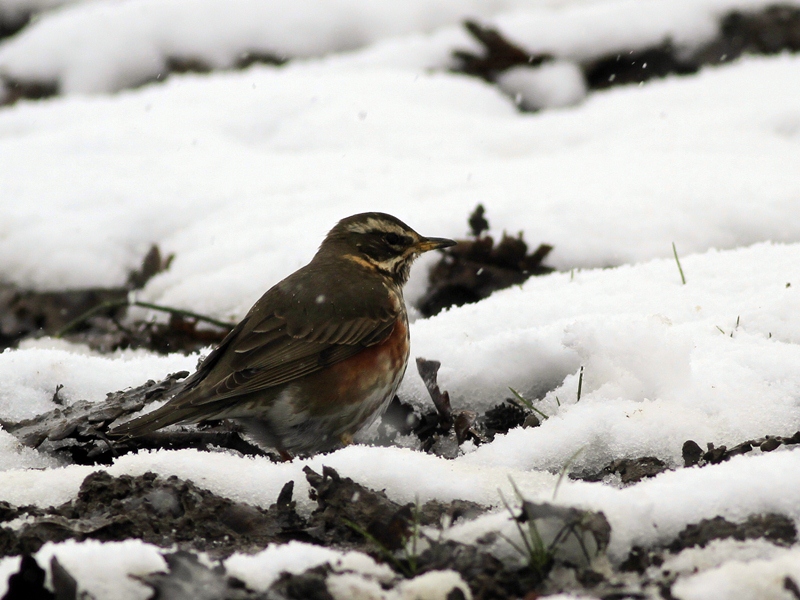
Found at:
[285, 455]
[346, 439]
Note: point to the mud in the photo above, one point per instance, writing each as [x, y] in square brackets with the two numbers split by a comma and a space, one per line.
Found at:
[97, 317]
[629, 470]
[77, 433]
[159, 511]
[775, 528]
[770, 30]
[475, 268]
[173, 513]
[352, 515]
[693, 454]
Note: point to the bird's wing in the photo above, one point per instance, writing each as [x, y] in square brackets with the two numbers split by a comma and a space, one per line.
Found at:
[267, 358]
[274, 346]
[289, 333]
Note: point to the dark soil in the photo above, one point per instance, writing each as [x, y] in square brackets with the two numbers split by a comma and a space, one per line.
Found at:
[170, 512]
[12, 21]
[775, 528]
[693, 455]
[770, 30]
[630, 470]
[97, 316]
[475, 268]
[469, 272]
[173, 513]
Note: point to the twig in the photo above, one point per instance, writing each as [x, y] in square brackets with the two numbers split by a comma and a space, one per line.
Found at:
[103, 306]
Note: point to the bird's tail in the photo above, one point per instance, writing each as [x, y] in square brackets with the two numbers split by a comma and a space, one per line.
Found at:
[152, 421]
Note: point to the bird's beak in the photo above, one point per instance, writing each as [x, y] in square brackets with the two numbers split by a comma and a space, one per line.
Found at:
[425, 244]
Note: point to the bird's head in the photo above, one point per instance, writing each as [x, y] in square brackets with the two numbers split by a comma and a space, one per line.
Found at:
[381, 242]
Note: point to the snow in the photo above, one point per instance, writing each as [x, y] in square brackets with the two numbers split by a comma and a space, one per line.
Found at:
[105, 569]
[133, 41]
[759, 579]
[260, 570]
[552, 85]
[15, 11]
[239, 161]
[240, 175]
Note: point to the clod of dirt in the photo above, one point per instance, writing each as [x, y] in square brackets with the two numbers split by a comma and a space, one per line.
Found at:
[504, 417]
[770, 30]
[638, 66]
[153, 263]
[790, 586]
[630, 470]
[80, 428]
[691, 453]
[694, 455]
[488, 578]
[591, 530]
[347, 510]
[64, 584]
[309, 585]
[164, 512]
[12, 90]
[451, 430]
[473, 269]
[772, 527]
[499, 54]
[477, 221]
[259, 57]
[28, 582]
[78, 431]
[95, 316]
[639, 559]
[428, 371]
[24, 312]
[188, 579]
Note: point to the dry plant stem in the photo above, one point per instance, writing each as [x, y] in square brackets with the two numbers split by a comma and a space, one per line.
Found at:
[119, 303]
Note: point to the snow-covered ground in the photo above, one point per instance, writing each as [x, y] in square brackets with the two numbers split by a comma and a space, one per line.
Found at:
[241, 174]
[95, 46]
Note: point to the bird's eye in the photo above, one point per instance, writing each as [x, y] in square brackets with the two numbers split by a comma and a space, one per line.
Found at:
[392, 238]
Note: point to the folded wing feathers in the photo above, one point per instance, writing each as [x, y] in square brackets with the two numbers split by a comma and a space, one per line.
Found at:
[271, 357]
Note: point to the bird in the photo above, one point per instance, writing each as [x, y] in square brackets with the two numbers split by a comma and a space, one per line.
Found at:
[320, 355]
